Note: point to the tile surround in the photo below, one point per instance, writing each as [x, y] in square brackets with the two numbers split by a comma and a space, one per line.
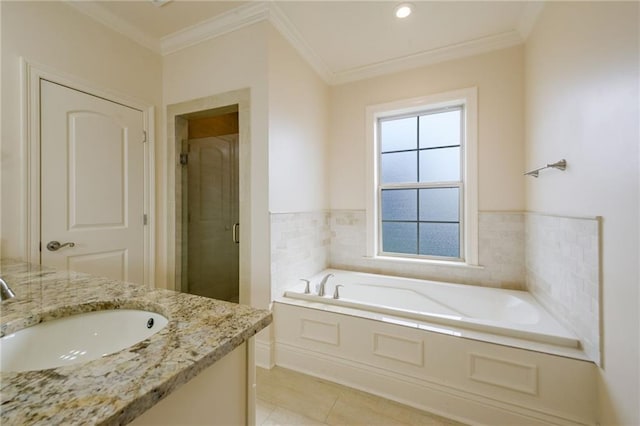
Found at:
[501, 252]
[555, 258]
[302, 244]
[562, 264]
[299, 247]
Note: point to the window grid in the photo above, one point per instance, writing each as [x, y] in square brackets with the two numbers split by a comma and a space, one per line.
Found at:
[422, 185]
[420, 149]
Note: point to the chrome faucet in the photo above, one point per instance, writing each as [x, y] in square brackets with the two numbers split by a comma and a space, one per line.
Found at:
[306, 285]
[5, 291]
[323, 283]
[336, 293]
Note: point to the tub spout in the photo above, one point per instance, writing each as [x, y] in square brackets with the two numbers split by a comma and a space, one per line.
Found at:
[336, 293]
[306, 286]
[323, 283]
[5, 291]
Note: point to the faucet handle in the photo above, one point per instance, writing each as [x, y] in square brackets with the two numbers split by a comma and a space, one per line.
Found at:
[306, 286]
[336, 293]
[5, 291]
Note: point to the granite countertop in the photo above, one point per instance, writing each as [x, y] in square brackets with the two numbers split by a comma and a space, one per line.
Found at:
[118, 387]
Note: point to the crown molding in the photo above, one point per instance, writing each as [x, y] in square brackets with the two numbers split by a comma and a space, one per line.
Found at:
[529, 17]
[102, 15]
[232, 20]
[254, 12]
[429, 57]
[289, 31]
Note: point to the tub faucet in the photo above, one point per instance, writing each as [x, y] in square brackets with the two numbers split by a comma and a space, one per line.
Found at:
[323, 283]
[5, 291]
[306, 286]
[336, 293]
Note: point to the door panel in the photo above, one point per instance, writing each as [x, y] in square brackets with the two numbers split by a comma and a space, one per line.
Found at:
[92, 190]
[96, 167]
[213, 210]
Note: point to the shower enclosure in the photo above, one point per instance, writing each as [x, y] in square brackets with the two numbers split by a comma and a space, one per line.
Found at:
[210, 203]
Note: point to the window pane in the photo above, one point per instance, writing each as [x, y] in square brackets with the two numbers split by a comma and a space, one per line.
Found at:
[439, 204]
[399, 204]
[399, 237]
[440, 129]
[396, 135]
[440, 239]
[399, 167]
[440, 165]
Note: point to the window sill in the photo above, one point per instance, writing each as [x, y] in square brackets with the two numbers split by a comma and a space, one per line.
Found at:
[425, 262]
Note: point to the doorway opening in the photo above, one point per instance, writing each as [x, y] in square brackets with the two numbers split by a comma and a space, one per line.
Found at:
[208, 152]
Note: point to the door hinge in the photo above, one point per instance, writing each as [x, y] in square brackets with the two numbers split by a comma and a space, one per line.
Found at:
[40, 246]
[145, 219]
[184, 158]
[144, 136]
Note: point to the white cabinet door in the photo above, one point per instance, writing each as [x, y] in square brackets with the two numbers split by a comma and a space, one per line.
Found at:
[92, 184]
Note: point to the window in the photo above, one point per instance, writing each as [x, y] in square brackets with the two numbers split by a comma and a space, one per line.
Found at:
[423, 198]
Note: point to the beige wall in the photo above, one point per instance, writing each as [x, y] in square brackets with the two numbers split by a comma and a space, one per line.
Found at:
[58, 37]
[499, 78]
[298, 115]
[582, 104]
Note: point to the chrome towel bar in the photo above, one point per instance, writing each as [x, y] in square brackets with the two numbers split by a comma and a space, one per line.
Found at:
[560, 165]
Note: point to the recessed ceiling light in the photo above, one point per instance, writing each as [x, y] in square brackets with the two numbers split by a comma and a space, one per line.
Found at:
[403, 10]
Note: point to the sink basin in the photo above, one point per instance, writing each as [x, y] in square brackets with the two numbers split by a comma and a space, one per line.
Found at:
[76, 339]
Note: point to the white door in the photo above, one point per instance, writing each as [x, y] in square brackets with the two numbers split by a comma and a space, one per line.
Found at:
[92, 184]
[213, 252]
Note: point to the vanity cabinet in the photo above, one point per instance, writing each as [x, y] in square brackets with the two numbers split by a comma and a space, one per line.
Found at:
[219, 395]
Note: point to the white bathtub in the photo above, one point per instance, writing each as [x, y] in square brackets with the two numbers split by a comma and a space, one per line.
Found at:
[500, 312]
[478, 355]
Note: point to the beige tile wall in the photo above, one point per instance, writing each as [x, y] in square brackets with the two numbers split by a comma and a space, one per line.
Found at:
[303, 244]
[299, 247]
[501, 252]
[562, 265]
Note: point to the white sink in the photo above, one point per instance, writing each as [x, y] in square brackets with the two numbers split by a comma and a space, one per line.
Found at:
[76, 339]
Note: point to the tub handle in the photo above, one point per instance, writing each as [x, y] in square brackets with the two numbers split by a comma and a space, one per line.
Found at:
[306, 286]
[336, 293]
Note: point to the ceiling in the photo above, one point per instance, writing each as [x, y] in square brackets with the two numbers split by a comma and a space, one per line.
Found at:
[342, 40]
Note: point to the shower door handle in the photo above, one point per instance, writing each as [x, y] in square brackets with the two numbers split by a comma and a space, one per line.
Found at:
[235, 235]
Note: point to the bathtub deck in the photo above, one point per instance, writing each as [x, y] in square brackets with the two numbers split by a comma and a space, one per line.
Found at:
[286, 397]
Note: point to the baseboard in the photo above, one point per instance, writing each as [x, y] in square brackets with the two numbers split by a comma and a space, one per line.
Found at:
[437, 398]
[264, 354]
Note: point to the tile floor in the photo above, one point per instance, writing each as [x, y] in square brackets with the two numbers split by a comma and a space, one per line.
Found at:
[285, 397]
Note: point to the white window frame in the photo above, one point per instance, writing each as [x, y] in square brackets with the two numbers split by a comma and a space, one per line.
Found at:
[468, 98]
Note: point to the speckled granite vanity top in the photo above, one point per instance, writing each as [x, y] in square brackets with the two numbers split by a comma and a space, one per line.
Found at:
[116, 388]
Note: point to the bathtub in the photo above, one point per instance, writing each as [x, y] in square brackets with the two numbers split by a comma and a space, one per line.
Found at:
[509, 313]
[478, 355]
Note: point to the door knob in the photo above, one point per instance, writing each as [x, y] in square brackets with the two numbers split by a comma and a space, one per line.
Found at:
[55, 245]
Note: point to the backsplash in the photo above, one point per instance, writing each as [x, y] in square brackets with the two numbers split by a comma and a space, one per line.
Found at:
[562, 270]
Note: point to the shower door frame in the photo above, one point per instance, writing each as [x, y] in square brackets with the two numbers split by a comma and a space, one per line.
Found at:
[175, 237]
